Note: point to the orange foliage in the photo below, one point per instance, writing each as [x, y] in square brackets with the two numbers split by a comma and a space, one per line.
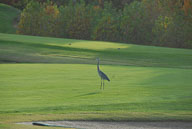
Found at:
[187, 6]
[96, 7]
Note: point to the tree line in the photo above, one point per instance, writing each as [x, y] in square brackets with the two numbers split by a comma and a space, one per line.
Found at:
[149, 22]
[21, 4]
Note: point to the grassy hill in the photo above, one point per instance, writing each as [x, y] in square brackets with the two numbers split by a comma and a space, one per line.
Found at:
[8, 17]
[31, 49]
[45, 78]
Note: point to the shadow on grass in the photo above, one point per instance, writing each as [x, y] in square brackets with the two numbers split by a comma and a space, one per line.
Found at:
[88, 94]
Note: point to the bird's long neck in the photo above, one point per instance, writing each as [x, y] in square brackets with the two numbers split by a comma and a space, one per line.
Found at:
[98, 66]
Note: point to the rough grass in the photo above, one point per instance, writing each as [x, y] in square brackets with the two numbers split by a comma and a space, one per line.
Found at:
[147, 83]
[8, 18]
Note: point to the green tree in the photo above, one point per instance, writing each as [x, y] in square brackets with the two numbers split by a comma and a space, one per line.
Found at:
[135, 27]
[107, 27]
[30, 19]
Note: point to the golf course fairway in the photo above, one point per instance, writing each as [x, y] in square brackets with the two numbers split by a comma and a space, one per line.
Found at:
[56, 79]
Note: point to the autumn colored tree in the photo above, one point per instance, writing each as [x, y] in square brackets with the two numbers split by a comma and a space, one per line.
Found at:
[29, 21]
[39, 19]
[75, 21]
[49, 19]
[187, 7]
[150, 22]
[173, 25]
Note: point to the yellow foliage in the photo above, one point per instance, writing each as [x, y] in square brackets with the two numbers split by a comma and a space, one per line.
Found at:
[109, 20]
[52, 10]
[167, 21]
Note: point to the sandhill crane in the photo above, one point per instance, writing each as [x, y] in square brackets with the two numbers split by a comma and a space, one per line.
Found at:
[102, 75]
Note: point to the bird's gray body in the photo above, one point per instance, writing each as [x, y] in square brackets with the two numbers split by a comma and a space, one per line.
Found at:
[102, 75]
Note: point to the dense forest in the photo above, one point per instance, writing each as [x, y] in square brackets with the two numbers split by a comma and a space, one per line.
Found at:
[148, 22]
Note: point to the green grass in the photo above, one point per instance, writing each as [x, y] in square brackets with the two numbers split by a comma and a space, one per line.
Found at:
[62, 88]
[53, 80]
[31, 49]
[8, 16]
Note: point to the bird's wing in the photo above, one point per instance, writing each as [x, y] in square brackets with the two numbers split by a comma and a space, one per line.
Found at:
[104, 76]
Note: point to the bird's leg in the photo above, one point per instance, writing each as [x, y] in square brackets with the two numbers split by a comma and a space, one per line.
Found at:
[101, 83]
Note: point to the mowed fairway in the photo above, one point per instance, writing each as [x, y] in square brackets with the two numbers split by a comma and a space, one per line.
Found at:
[69, 88]
[34, 49]
[56, 79]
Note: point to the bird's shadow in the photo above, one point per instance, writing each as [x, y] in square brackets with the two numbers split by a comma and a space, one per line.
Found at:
[88, 94]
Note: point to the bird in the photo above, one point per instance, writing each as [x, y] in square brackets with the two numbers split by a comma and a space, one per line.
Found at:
[102, 75]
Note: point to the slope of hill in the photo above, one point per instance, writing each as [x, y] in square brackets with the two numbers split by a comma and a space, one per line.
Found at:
[8, 18]
[34, 49]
